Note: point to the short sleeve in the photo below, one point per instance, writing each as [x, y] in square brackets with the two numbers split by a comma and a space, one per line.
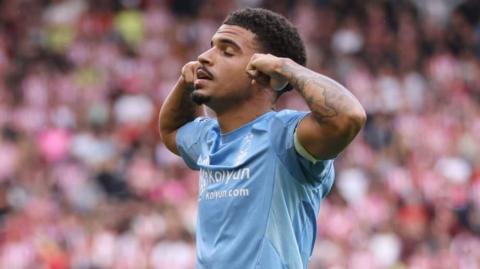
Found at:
[190, 138]
[315, 173]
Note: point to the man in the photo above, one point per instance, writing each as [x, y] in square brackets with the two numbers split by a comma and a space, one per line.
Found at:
[262, 172]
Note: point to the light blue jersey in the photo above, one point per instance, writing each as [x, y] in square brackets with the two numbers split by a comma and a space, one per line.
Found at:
[258, 198]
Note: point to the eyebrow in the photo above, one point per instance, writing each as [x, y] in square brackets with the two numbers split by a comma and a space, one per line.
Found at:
[227, 41]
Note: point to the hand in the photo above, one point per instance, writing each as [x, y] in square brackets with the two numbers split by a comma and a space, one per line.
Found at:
[189, 73]
[263, 68]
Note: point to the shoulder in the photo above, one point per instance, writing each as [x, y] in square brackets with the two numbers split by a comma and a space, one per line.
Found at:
[203, 122]
[288, 116]
[196, 129]
[282, 126]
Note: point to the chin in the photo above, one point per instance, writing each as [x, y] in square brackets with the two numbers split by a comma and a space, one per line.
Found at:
[200, 98]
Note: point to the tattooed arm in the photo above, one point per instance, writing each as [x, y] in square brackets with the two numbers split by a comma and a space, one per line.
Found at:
[178, 108]
[336, 115]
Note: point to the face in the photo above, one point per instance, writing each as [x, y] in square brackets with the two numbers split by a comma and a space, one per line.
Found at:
[221, 80]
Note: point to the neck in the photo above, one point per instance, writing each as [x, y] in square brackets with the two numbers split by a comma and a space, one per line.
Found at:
[239, 115]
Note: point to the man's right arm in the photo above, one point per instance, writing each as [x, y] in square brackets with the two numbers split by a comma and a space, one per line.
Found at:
[178, 108]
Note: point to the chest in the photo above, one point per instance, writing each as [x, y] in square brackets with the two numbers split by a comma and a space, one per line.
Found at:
[234, 170]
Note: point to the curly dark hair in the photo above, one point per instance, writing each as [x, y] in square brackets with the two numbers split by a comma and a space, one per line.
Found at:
[275, 34]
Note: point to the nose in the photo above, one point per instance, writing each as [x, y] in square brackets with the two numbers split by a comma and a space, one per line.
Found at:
[206, 57]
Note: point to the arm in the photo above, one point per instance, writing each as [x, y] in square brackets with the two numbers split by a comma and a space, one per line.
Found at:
[178, 108]
[336, 115]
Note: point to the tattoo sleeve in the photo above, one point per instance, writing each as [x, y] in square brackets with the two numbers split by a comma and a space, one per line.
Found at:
[326, 98]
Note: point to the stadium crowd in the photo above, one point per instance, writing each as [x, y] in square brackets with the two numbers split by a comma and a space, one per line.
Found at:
[85, 182]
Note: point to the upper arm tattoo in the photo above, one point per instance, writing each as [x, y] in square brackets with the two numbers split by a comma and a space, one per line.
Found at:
[324, 100]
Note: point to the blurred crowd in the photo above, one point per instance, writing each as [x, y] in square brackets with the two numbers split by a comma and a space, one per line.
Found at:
[85, 182]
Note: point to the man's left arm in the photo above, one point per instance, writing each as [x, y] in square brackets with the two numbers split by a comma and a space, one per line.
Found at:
[336, 115]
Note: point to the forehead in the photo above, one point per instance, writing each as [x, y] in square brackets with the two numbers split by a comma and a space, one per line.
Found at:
[243, 37]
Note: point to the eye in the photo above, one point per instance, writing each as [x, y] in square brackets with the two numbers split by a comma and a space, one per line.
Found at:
[227, 52]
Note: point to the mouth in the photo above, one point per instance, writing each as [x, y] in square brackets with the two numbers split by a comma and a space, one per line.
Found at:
[203, 73]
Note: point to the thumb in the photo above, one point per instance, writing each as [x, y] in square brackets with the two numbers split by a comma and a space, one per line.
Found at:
[252, 73]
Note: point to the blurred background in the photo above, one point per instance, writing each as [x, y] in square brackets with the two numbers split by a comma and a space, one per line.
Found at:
[85, 182]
